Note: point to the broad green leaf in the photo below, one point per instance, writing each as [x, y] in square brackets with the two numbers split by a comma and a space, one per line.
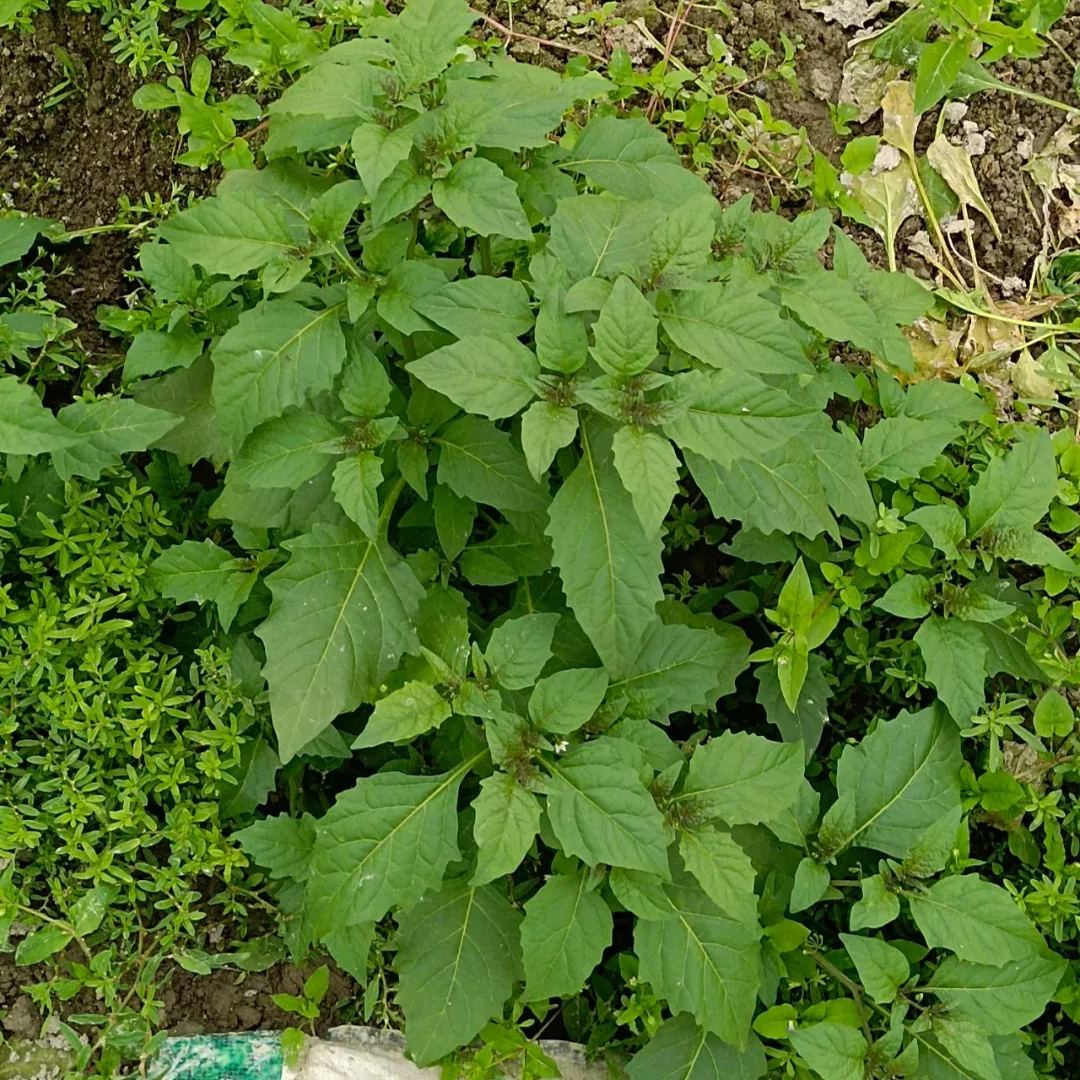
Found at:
[900, 447]
[939, 65]
[624, 336]
[1014, 491]
[970, 1049]
[545, 430]
[1053, 716]
[780, 492]
[233, 234]
[601, 236]
[507, 819]
[384, 843]
[943, 524]
[728, 415]
[519, 648]
[682, 244]
[40, 944]
[424, 38]
[998, 999]
[729, 327]
[811, 882]
[479, 462]
[907, 598]
[649, 470]
[882, 968]
[831, 306]
[252, 780]
[88, 912]
[937, 400]
[610, 567]
[154, 351]
[17, 235]
[285, 452]
[977, 920]
[602, 813]
[106, 429]
[836, 455]
[342, 616]
[278, 354]
[477, 195]
[282, 845]
[491, 306]
[702, 962]
[492, 376]
[377, 152]
[806, 723]
[457, 959]
[405, 287]
[897, 783]
[876, 907]
[454, 520]
[743, 779]
[723, 870]
[954, 651]
[833, 1051]
[679, 668]
[26, 426]
[350, 946]
[567, 927]
[403, 714]
[403, 190]
[633, 158]
[560, 338]
[199, 572]
[563, 702]
[681, 1050]
[356, 488]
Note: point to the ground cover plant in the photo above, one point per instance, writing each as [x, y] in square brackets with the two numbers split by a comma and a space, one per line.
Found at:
[656, 653]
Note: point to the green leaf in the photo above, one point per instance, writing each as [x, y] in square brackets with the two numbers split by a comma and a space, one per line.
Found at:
[602, 813]
[977, 920]
[743, 779]
[282, 845]
[404, 189]
[971, 1050]
[506, 823]
[833, 1051]
[457, 959]
[1053, 716]
[876, 907]
[278, 354]
[943, 524]
[342, 616]
[811, 883]
[384, 843]
[1014, 491]
[728, 415]
[199, 572]
[633, 158]
[495, 377]
[41, 944]
[649, 470]
[350, 946]
[287, 451]
[26, 426]
[519, 649]
[998, 999]
[731, 327]
[702, 962]
[17, 235]
[882, 968]
[907, 598]
[154, 351]
[106, 429]
[377, 152]
[681, 1050]
[567, 927]
[88, 912]
[479, 462]
[403, 714]
[900, 447]
[723, 870]
[897, 783]
[610, 567]
[776, 493]
[836, 456]
[954, 652]
[806, 723]
[477, 195]
[601, 236]
[939, 66]
[424, 38]
[565, 701]
[560, 338]
[491, 306]
[545, 430]
[624, 336]
[679, 668]
[252, 780]
[235, 233]
[356, 489]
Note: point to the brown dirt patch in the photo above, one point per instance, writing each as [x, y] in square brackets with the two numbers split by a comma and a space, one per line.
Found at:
[73, 161]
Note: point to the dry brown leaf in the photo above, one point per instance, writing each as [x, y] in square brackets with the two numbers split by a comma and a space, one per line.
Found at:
[864, 80]
[954, 165]
[1030, 380]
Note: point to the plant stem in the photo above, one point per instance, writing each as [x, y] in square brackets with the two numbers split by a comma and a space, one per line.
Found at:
[484, 246]
[849, 984]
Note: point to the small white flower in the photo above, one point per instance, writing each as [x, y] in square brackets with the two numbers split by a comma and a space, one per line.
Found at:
[561, 746]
